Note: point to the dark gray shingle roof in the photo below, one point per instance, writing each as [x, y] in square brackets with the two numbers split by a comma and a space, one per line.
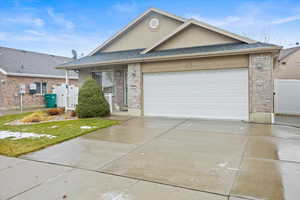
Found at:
[135, 54]
[26, 62]
[286, 52]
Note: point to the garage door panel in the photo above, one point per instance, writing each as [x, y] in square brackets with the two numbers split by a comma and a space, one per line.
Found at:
[219, 94]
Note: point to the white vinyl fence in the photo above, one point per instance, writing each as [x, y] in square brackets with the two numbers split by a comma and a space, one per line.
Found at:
[287, 96]
[63, 99]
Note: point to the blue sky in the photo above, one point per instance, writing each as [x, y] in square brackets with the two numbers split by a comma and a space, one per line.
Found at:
[57, 26]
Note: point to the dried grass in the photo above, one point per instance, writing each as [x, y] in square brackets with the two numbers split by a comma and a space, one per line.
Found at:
[38, 116]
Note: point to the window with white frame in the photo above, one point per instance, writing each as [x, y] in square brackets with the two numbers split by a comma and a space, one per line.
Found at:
[107, 82]
[41, 87]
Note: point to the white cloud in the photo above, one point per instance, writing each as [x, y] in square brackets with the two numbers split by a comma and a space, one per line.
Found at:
[242, 20]
[34, 32]
[25, 20]
[57, 44]
[124, 7]
[3, 36]
[286, 19]
[60, 19]
[230, 20]
[256, 20]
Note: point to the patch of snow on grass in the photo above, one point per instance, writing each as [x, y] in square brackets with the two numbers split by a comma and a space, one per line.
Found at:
[223, 164]
[21, 135]
[115, 196]
[88, 127]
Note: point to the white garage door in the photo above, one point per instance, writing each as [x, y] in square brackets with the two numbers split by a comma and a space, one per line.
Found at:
[216, 94]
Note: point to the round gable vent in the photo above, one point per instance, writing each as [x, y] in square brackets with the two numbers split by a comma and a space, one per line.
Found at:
[154, 23]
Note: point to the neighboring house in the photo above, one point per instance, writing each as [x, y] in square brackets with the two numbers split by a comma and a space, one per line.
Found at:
[34, 72]
[289, 64]
[164, 65]
[287, 82]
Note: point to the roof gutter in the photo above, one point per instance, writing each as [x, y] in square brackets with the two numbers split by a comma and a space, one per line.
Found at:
[3, 71]
[177, 57]
[38, 75]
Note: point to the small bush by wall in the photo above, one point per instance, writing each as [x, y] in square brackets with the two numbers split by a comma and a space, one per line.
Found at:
[91, 101]
[55, 111]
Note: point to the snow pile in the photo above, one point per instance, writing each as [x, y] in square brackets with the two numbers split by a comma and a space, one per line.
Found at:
[21, 135]
[87, 127]
[115, 196]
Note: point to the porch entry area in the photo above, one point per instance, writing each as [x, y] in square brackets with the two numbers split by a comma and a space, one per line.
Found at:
[113, 82]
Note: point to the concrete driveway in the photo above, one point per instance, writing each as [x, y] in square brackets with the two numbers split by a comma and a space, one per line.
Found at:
[162, 158]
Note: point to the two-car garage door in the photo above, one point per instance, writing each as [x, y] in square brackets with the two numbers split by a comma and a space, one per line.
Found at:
[219, 94]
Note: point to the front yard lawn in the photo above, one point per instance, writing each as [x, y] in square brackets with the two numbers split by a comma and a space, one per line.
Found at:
[61, 130]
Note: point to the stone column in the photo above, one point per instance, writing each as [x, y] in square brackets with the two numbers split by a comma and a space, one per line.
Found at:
[118, 89]
[261, 88]
[134, 81]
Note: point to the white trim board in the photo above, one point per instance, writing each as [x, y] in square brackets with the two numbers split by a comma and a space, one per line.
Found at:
[39, 75]
[3, 71]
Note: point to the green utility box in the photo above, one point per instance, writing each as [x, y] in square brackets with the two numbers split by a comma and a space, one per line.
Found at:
[50, 100]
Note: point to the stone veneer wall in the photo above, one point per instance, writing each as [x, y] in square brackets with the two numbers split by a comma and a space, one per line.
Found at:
[118, 98]
[134, 89]
[10, 91]
[261, 88]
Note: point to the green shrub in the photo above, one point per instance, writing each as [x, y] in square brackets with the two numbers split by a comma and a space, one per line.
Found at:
[91, 101]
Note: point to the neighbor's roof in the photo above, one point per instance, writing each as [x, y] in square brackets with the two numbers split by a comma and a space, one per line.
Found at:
[286, 52]
[26, 63]
[131, 56]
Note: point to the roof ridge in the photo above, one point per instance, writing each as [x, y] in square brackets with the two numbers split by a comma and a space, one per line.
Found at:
[292, 50]
[33, 52]
[120, 51]
[203, 46]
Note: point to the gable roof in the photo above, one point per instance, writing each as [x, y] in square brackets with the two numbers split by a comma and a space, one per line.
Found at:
[17, 62]
[202, 25]
[186, 23]
[287, 52]
[133, 56]
[133, 23]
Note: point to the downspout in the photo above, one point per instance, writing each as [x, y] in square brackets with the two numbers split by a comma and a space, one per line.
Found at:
[276, 62]
[67, 77]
